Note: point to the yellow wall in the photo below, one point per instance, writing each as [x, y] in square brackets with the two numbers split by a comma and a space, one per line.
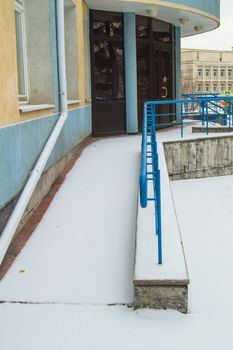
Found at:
[9, 112]
[9, 106]
[81, 52]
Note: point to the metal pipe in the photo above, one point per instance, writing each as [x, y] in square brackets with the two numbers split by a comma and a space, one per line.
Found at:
[12, 224]
[61, 55]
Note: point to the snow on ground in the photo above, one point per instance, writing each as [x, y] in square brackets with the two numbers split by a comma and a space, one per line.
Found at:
[205, 215]
[84, 254]
[73, 255]
[62, 327]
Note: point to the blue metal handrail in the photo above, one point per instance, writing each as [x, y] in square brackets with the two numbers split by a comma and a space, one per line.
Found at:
[212, 108]
[194, 95]
[208, 109]
[150, 170]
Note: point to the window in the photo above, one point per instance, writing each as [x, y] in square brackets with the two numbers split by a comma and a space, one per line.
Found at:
[199, 87]
[222, 73]
[215, 87]
[230, 73]
[207, 88]
[21, 50]
[207, 73]
[215, 72]
[199, 72]
[34, 59]
[222, 87]
[71, 51]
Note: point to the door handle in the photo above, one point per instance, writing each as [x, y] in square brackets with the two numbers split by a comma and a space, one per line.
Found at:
[165, 92]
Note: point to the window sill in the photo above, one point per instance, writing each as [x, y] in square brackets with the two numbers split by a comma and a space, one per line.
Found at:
[31, 108]
[73, 102]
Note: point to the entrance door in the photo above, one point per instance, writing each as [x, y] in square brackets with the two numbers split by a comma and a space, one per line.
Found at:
[155, 66]
[108, 85]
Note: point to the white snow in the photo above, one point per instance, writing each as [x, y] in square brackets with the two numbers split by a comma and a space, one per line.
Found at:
[83, 253]
[205, 213]
[73, 255]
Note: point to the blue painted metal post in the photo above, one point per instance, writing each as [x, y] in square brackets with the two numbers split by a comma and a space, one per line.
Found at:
[207, 118]
[203, 113]
[131, 73]
[231, 114]
[159, 224]
[177, 72]
[182, 125]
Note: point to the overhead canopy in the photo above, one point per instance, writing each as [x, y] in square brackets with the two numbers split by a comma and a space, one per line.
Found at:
[199, 18]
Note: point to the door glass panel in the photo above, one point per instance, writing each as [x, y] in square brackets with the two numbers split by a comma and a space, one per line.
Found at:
[142, 27]
[107, 24]
[165, 90]
[143, 67]
[109, 70]
[161, 31]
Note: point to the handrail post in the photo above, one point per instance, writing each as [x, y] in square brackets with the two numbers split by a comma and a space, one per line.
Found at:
[182, 125]
[207, 118]
[203, 113]
[159, 233]
[149, 151]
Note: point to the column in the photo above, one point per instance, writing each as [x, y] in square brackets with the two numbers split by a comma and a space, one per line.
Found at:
[177, 73]
[131, 73]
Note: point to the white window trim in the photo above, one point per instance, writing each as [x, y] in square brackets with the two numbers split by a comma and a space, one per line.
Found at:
[19, 7]
[31, 108]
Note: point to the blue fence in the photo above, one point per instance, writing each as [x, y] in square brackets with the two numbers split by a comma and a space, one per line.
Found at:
[150, 173]
[208, 109]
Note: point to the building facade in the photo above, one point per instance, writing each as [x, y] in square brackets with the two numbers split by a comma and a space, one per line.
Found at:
[206, 70]
[119, 53]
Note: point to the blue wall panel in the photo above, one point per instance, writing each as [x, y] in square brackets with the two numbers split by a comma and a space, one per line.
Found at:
[21, 145]
[10, 163]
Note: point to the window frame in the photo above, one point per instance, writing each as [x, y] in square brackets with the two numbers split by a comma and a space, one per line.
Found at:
[199, 72]
[19, 7]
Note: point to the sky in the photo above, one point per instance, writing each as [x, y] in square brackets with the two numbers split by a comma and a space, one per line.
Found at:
[218, 39]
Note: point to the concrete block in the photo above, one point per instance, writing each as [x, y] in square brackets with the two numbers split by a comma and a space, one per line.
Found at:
[176, 157]
[192, 156]
[177, 177]
[168, 156]
[184, 156]
[200, 155]
[161, 297]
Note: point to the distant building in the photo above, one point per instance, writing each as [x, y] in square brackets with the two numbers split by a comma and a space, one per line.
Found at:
[206, 70]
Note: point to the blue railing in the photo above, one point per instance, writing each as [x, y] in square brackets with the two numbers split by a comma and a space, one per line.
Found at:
[150, 173]
[209, 109]
[194, 95]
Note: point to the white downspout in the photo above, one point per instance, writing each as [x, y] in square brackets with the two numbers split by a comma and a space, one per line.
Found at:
[11, 226]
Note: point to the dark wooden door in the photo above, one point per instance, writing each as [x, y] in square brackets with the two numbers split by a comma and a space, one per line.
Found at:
[155, 66]
[108, 72]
